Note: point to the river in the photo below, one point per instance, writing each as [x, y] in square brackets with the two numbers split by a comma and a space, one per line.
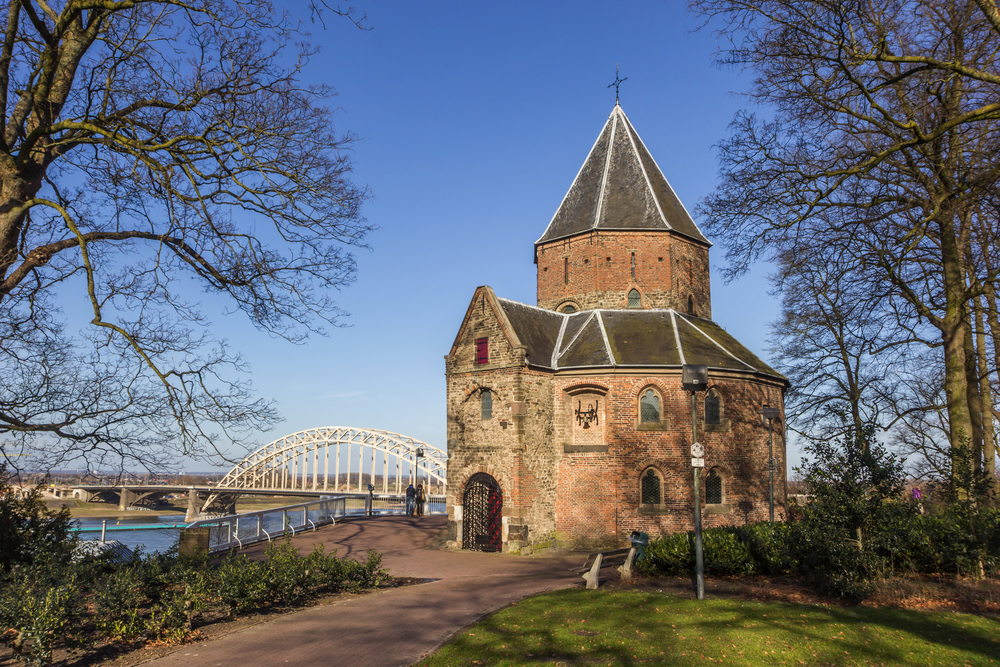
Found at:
[150, 540]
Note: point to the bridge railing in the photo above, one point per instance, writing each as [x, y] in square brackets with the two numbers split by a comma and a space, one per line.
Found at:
[239, 530]
[390, 503]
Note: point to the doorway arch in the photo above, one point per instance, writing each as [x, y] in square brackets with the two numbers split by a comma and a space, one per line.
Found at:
[482, 512]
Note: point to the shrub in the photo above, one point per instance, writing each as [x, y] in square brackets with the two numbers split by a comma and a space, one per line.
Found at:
[768, 546]
[286, 573]
[844, 540]
[242, 584]
[725, 554]
[118, 599]
[668, 555]
[39, 608]
[372, 572]
[30, 532]
[286, 577]
[732, 551]
[832, 561]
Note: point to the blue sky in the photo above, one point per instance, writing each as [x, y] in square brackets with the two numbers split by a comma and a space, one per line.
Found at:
[473, 120]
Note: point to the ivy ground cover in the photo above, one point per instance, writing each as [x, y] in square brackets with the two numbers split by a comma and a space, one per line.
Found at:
[579, 627]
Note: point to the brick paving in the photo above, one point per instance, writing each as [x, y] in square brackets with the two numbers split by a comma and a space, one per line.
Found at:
[392, 627]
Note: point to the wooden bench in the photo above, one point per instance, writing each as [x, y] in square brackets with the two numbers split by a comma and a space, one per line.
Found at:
[616, 557]
[621, 558]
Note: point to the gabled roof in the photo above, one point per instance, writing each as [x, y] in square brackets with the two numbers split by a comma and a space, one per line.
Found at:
[605, 338]
[486, 295]
[620, 187]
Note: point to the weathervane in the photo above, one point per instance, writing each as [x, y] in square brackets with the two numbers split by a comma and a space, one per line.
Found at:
[617, 83]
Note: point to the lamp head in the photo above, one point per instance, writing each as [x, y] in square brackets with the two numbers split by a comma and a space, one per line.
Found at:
[694, 377]
[770, 413]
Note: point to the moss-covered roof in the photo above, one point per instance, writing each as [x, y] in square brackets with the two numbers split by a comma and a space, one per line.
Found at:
[627, 338]
[620, 187]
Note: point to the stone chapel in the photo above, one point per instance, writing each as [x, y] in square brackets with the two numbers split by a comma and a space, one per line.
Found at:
[567, 423]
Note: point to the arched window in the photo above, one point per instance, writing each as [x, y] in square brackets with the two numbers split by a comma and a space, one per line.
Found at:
[713, 408]
[486, 401]
[651, 488]
[633, 299]
[713, 488]
[690, 305]
[568, 309]
[649, 408]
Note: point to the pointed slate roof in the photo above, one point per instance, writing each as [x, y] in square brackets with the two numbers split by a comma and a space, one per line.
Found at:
[620, 187]
[605, 338]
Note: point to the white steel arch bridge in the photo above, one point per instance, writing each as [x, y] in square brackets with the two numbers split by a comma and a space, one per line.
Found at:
[341, 459]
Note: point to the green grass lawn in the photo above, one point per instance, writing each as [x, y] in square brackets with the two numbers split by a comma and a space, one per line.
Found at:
[580, 627]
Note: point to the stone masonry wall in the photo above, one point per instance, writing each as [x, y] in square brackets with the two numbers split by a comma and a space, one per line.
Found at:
[595, 271]
[514, 446]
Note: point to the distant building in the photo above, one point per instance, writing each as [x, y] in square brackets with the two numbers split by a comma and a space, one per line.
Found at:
[566, 420]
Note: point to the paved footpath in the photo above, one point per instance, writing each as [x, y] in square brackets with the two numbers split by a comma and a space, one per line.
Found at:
[393, 627]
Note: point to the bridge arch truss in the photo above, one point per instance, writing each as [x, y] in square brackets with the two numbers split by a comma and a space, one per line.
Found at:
[342, 459]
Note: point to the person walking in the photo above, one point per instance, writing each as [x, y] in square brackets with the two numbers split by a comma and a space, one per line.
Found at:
[420, 499]
[411, 495]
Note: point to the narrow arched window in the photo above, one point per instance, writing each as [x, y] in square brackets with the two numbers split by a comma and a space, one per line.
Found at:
[690, 305]
[713, 408]
[651, 489]
[713, 488]
[633, 299]
[649, 408]
[486, 401]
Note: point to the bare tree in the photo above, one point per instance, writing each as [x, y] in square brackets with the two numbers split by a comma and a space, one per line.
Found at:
[882, 142]
[152, 149]
[835, 343]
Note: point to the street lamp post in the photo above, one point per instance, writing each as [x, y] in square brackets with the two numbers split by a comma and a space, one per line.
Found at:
[770, 414]
[419, 455]
[694, 378]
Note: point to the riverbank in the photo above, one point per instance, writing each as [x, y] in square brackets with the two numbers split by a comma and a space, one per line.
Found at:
[80, 509]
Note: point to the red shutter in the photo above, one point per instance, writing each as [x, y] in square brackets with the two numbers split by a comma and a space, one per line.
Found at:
[482, 350]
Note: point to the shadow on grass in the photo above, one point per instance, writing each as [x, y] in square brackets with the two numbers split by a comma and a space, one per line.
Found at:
[625, 628]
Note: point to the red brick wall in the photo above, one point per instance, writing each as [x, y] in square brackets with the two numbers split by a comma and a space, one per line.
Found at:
[595, 486]
[668, 268]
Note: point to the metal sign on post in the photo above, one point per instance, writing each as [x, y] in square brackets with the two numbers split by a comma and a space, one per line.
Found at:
[694, 378]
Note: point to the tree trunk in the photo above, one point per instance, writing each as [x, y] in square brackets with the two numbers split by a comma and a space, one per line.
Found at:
[993, 321]
[985, 390]
[972, 392]
[953, 327]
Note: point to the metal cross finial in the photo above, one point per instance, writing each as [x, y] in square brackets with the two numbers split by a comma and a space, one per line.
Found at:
[617, 83]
